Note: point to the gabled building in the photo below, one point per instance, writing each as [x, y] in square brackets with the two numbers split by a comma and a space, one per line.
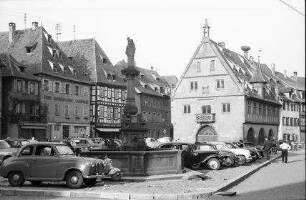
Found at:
[224, 96]
[65, 88]
[108, 90]
[292, 95]
[153, 101]
[24, 115]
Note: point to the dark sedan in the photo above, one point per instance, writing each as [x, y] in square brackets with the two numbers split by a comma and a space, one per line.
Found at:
[194, 157]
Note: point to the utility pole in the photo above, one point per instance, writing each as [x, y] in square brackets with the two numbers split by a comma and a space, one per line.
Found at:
[58, 31]
[25, 20]
[73, 32]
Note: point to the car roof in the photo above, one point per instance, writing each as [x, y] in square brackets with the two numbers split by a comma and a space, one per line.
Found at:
[217, 143]
[44, 143]
[176, 143]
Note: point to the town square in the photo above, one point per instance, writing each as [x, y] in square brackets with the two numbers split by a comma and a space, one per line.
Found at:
[152, 99]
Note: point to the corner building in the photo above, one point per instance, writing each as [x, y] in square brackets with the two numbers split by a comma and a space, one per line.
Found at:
[223, 96]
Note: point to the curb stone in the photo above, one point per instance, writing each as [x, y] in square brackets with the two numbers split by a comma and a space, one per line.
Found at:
[134, 196]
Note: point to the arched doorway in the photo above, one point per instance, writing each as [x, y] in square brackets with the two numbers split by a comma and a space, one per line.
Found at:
[271, 134]
[261, 136]
[250, 135]
[206, 134]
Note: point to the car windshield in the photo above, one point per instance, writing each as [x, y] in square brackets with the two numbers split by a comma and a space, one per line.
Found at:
[205, 148]
[4, 145]
[64, 150]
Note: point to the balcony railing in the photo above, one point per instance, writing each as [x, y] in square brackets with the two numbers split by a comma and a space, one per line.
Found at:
[206, 118]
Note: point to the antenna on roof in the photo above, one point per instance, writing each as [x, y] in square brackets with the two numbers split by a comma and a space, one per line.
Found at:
[25, 20]
[73, 32]
[58, 30]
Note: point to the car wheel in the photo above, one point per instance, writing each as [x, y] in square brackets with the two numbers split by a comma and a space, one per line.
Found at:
[213, 164]
[36, 183]
[90, 182]
[241, 160]
[229, 161]
[116, 176]
[16, 178]
[74, 179]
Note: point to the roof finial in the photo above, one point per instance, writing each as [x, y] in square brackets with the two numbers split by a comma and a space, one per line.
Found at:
[206, 29]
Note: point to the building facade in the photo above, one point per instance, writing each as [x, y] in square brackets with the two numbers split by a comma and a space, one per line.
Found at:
[223, 96]
[153, 101]
[108, 89]
[24, 115]
[65, 88]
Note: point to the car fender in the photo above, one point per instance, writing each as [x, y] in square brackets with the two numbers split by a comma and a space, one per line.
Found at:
[64, 173]
[6, 168]
[114, 171]
[209, 157]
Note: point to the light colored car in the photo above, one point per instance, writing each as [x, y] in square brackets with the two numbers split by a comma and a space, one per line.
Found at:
[6, 150]
[243, 154]
[53, 161]
[85, 144]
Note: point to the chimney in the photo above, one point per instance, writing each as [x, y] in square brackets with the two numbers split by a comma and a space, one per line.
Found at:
[12, 31]
[222, 45]
[34, 25]
[285, 73]
[245, 50]
[295, 75]
[273, 68]
[251, 59]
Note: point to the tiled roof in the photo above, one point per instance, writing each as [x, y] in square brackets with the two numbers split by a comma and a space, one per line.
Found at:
[40, 59]
[171, 80]
[12, 69]
[88, 52]
[147, 80]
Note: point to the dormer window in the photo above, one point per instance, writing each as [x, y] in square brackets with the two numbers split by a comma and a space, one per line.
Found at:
[28, 49]
[21, 68]
[53, 52]
[49, 38]
[70, 58]
[60, 55]
[146, 86]
[156, 89]
[157, 78]
[114, 77]
[142, 76]
[109, 76]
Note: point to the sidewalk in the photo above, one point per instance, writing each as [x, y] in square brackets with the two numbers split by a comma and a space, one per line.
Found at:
[190, 185]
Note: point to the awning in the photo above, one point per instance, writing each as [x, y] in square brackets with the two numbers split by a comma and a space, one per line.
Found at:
[108, 129]
[33, 127]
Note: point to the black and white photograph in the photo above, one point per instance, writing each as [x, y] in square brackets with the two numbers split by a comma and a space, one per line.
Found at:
[152, 100]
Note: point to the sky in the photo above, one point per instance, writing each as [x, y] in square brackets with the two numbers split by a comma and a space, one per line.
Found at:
[167, 32]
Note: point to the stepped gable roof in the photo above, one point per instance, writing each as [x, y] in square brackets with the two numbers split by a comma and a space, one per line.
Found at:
[12, 68]
[41, 57]
[88, 52]
[146, 77]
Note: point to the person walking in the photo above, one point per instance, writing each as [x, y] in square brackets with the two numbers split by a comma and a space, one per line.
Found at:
[285, 148]
[267, 147]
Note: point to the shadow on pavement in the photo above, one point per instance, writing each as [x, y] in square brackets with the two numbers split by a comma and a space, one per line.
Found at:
[282, 192]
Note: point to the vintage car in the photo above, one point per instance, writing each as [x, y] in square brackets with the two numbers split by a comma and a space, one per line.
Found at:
[84, 144]
[228, 158]
[257, 151]
[244, 155]
[53, 161]
[193, 157]
[17, 142]
[6, 150]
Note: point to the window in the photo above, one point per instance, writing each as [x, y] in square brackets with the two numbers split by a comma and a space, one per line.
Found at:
[109, 113]
[67, 88]
[287, 121]
[109, 93]
[249, 107]
[76, 114]
[57, 87]
[53, 52]
[193, 85]
[186, 108]
[19, 85]
[259, 109]
[205, 89]
[284, 120]
[32, 109]
[57, 110]
[198, 66]
[18, 108]
[284, 106]
[220, 83]
[28, 151]
[76, 89]
[116, 94]
[46, 85]
[212, 66]
[206, 109]
[32, 88]
[226, 107]
[66, 110]
[254, 109]
[28, 49]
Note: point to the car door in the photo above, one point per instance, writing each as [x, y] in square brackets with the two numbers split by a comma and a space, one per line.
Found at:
[44, 162]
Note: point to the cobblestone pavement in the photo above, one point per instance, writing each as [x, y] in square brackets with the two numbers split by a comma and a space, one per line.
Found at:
[277, 181]
[212, 179]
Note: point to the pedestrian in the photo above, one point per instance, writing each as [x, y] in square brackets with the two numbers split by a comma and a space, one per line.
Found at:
[267, 147]
[284, 148]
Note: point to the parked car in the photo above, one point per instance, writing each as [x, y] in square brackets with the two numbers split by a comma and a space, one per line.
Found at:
[228, 158]
[17, 142]
[6, 151]
[151, 142]
[243, 155]
[193, 157]
[84, 144]
[257, 150]
[54, 161]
